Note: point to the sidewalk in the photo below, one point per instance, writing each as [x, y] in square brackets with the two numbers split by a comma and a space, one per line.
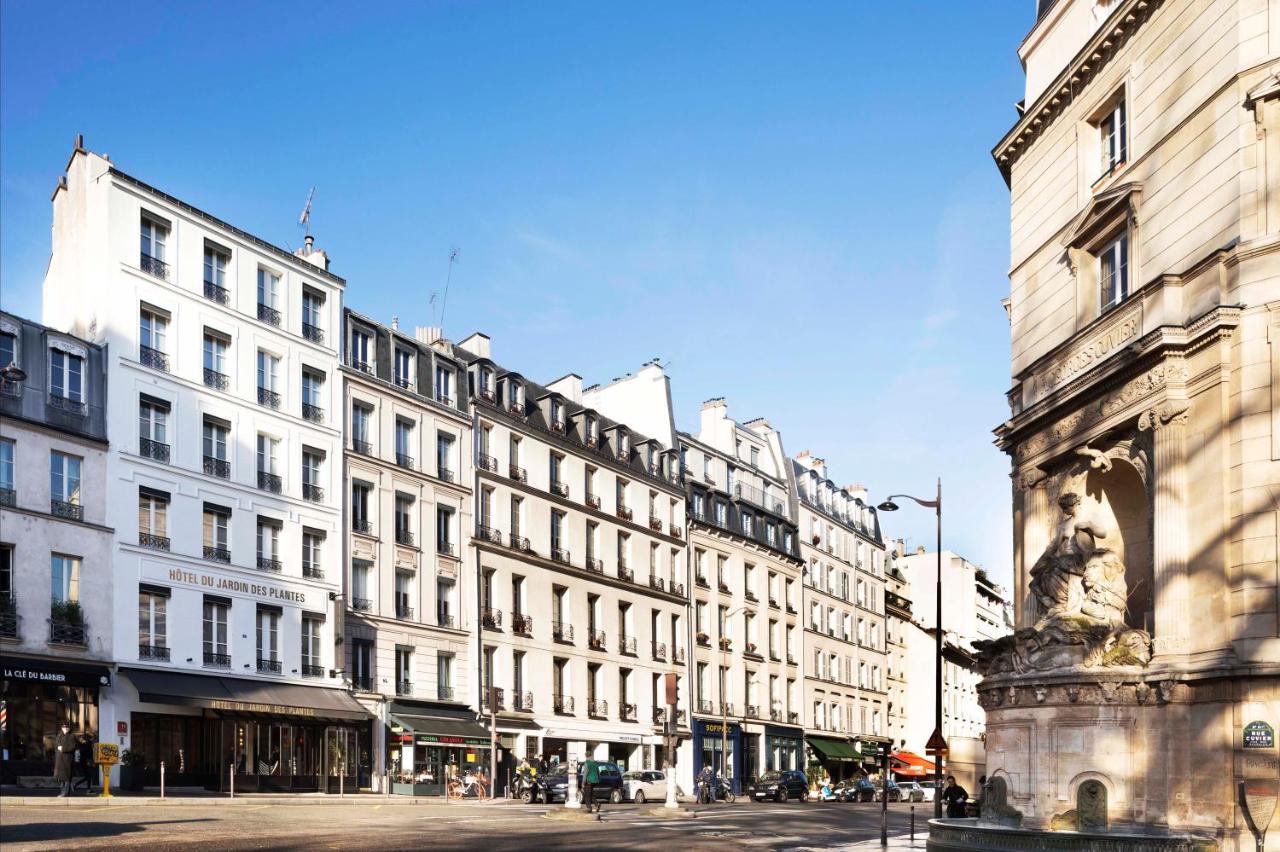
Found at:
[902, 841]
[16, 796]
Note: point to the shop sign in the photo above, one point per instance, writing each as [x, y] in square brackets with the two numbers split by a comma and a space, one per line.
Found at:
[35, 671]
[718, 728]
[253, 707]
[107, 754]
[629, 739]
[233, 584]
[441, 739]
[1259, 735]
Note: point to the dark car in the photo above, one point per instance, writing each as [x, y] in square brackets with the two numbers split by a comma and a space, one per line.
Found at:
[864, 790]
[554, 786]
[781, 786]
[895, 792]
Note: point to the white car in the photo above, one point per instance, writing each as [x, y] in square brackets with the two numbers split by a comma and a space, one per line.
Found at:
[648, 785]
[910, 791]
[929, 787]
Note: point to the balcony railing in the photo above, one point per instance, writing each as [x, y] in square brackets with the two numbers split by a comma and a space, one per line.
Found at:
[444, 399]
[364, 448]
[751, 711]
[517, 473]
[150, 449]
[701, 580]
[404, 537]
[68, 406]
[519, 542]
[593, 500]
[444, 474]
[655, 524]
[677, 589]
[312, 493]
[444, 692]
[626, 574]
[793, 718]
[488, 463]
[362, 604]
[491, 619]
[404, 687]
[657, 583]
[598, 708]
[8, 497]
[312, 670]
[268, 665]
[66, 631]
[270, 482]
[404, 612]
[362, 684]
[268, 315]
[153, 652]
[627, 712]
[678, 656]
[153, 541]
[560, 489]
[313, 413]
[404, 461]
[9, 618]
[153, 266]
[444, 619]
[314, 572]
[493, 698]
[489, 534]
[64, 509]
[522, 624]
[214, 293]
[659, 715]
[559, 554]
[362, 366]
[596, 640]
[267, 563]
[314, 333]
[726, 709]
[217, 661]
[677, 532]
[362, 525]
[595, 566]
[444, 548]
[522, 701]
[268, 398]
[216, 380]
[775, 715]
[706, 707]
[659, 651]
[624, 513]
[562, 704]
[153, 358]
[562, 632]
[627, 645]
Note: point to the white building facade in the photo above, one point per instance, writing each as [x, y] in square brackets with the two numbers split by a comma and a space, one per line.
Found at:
[223, 476]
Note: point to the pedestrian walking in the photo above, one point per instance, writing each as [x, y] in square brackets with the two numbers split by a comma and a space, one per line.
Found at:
[64, 746]
[954, 797]
[85, 765]
[590, 778]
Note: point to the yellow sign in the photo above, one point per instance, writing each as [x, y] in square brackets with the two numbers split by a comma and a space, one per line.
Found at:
[107, 754]
[471, 758]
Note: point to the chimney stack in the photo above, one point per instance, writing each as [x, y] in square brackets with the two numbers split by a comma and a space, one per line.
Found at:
[311, 254]
[427, 334]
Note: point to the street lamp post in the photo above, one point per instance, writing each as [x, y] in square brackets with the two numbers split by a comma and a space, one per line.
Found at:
[935, 504]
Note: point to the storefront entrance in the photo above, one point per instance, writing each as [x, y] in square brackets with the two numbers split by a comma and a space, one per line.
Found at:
[427, 745]
[709, 742]
[37, 696]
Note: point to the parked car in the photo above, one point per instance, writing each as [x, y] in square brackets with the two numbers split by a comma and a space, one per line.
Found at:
[891, 788]
[648, 785]
[930, 789]
[781, 786]
[864, 790]
[554, 786]
[911, 791]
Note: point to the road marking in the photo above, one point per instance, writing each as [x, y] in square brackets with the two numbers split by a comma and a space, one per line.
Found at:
[259, 807]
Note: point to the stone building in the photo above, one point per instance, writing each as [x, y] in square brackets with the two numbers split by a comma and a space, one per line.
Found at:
[899, 712]
[223, 479]
[842, 610]
[1144, 433]
[409, 590]
[56, 590]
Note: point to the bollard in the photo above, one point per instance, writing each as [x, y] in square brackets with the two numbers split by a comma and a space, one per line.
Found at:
[231, 772]
[386, 788]
[913, 823]
[342, 777]
[162, 779]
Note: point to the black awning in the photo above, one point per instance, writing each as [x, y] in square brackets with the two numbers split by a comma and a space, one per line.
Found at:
[237, 695]
[443, 725]
[53, 672]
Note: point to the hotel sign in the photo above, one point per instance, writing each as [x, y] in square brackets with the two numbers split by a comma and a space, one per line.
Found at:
[211, 582]
[254, 707]
[1121, 330]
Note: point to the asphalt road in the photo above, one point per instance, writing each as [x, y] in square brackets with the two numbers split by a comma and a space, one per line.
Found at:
[492, 828]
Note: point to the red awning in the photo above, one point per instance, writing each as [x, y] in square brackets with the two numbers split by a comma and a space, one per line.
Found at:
[911, 765]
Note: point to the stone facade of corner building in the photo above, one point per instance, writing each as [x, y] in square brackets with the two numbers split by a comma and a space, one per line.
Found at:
[1144, 432]
[410, 584]
[55, 547]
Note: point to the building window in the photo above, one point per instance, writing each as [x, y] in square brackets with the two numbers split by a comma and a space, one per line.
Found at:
[444, 602]
[1113, 136]
[66, 578]
[268, 470]
[153, 337]
[64, 484]
[216, 523]
[404, 368]
[153, 433]
[360, 600]
[557, 415]
[557, 534]
[404, 594]
[312, 386]
[362, 664]
[215, 360]
[403, 518]
[268, 636]
[215, 448]
[155, 237]
[444, 530]
[404, 671]
[1114, 271]
[153, 519]
[311, 664]
[360, 508]
[269, 544]
[66, 376]
[444, 675]
[486, 384]
[444, 385]
[312, 548]
[312, 489]
[152, 627]
[444, 455]
[215, 633]
[268, 296]
[6, 472]
[215, 274]
[359, 354]
[312, 313]
[360, 416]
[268, 379]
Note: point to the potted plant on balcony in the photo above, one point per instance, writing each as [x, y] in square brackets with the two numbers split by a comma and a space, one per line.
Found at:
[725, 643]
[702, 637]
[133, 768]
[751, 647]
[68, 622]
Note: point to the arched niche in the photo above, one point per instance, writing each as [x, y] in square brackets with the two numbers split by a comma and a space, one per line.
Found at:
[1121, 496]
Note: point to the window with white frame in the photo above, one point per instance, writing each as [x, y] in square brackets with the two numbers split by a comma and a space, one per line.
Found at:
[444, 384]
[358, 356]
[152, 620]
[268, 635]
[1113, 271]
[403, 368]
[215, 631]
[66, 578]
[312, 316]
[7, 447]
[215, 270]
[66, 375]
[269, 544]
[153, 337]
[215, 359]
[312, 552]
[155, 238]
[1113, 138]
[268, 289]
[153, 518]
[64, 478]
[268, 378]
[311, 630]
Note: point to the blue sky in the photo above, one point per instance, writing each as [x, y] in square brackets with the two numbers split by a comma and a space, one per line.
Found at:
[793, 205]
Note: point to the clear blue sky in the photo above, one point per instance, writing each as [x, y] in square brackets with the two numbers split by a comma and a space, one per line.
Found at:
[793, 204]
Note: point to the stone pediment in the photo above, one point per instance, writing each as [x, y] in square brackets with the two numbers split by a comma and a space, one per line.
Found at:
[1104, 212]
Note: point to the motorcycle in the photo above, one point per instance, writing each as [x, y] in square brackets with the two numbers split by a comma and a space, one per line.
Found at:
[524, 787]
[715, 789]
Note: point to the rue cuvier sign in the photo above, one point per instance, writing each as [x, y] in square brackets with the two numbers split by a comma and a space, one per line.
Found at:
[233, 584]
[1259, 735]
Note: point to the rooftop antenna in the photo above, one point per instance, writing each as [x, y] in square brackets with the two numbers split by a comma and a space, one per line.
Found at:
[304, 221]
[444, 302]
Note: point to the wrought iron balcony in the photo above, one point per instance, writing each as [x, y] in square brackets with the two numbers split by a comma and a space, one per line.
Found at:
[701, 580]
[775, 715]
[312, 670]
[269, 666]
[404, 612]
[268, 398]
[216, 380]
[751, 711]
[401, 382]
[628, 713]
[559, 554]
[266, 563]
[444, 474]
[364, 448]
[596, 640]
[560, 489]
[562, 704]
[624, 513]
[217, 554]
[659, 715]
[677, 656]
[313, 413]
[362, 366]
[626, 574]
[517, 473]
[67, 631]
[314, 572]
[726, 709]
[793, 718]
[314, 333]
[404, 536]
[150, 449]
[655, 524]
[404, 461]
[214, 293]
[657, 583]
[598, 708]
[562, 632]
[8, 497]
[445, 548]
[362, 683]
[677, 532]
[404, 687]
[444, 399]
[153, 358]
[659, 650]
[64, 509]
[520, 543]
[491, 619]
[312, 493]
[9, 618]
[677, 589]
[493, 698]
[595, 566]
[217, 661]
[489, 534]
[362, 525]
[444, 692]
[627, 646]
[522, 701]
[270, 482]
[155, 542]
[593, 500]
[153, 652]
[362, 605]
[522, 624]
[706, 707]
[268, 315]
[488, 463]
[153, 266]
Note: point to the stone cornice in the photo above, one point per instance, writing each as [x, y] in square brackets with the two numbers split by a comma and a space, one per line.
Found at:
[583, 574]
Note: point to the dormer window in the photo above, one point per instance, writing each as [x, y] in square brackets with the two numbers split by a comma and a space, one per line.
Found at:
[359, 353]
[444, 385]
[624, 446]
[1113, 272]
[589, 428]
[404, 368]
[515, 398]
[1113, 138]
[557, 415]
[486, 384]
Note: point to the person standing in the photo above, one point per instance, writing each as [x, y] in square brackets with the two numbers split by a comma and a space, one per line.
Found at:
[64, 746]
[590, 778]
[954, 797]
[88, 769]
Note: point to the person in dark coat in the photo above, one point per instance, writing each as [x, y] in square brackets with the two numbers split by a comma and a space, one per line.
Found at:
[954, 797]
[64, 746]
[84, 763]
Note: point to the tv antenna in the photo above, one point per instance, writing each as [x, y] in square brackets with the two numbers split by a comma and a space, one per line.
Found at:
[304, 221]
[444, 302]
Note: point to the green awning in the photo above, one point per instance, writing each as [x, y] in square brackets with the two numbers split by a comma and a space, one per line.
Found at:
[833, 749]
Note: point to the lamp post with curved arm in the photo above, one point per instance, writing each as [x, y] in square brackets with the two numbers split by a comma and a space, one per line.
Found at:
[936, 504]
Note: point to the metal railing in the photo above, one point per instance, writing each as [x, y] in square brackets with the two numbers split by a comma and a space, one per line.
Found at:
[270, 482]
[312, 493]
[404, 461]
[677, 589]
[363, 684]
[522, 624]
[488, 463]
[444, 474]
[404, 536]
[8, 497]
[597, 640]
[624, 513]
[265, 664]
[751, 711]
[593, 500]
[364, 448]
[655, 524]
[517, 473]
[706, 707]
[216, 380]
[562, 704]
[268, 398]
[153, 266]
[362, 525]
[560, 555]
[562, 632]
[404, 612]
[627, 712]
[444, 619]
[67, 631]
[153, 358]
[626, 574]
[489, 534]
[362, 605]
[153, 541]
[312, 670]
[150, 449]
[362, 366]
[404, 687]
[444, 399]
[314, 572]
[522, 701]
[313, 413]
[519, 542]
[597, 708]
[659, 651]
[215, 293]
[443, 692]
[217, 661]
[64, 509]
[269, 315]
[627, 645]
[657, 583]
[267, 563]
[595, 566]
[68, 406]
[559, 489]
[314, 333]
[153, 652]
[444, 548]
[491, 619]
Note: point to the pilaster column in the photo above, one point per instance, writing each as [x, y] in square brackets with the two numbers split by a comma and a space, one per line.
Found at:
[1035, 533]
[1167, 423]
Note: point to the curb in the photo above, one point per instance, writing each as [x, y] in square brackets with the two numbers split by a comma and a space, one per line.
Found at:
[224, 801]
